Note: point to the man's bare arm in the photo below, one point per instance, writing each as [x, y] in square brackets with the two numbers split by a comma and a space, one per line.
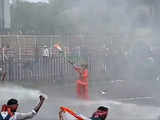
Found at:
[24, 116]
[60, 115]
[39, 105]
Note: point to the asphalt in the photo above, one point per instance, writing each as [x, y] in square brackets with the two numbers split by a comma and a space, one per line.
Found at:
[127, 100]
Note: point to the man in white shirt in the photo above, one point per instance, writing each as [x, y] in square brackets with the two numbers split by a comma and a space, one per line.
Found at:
[8, 111]
[45, 54]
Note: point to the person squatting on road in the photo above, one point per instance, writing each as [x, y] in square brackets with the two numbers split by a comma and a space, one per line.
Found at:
[82, 82]
[100, 114]
[8, 111]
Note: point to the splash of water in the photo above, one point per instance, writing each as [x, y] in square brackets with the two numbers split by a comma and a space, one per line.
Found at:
[8, 91]
[118, 110]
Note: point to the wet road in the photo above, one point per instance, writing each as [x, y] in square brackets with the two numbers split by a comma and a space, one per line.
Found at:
[126, 100]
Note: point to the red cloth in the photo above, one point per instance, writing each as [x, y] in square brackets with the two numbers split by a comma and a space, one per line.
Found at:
[5, 108]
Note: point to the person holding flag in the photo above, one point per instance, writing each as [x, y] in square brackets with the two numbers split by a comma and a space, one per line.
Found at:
[66, 113]
[82, 82]
[82, 70]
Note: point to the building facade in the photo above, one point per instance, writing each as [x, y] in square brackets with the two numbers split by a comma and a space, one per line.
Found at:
[5, 21]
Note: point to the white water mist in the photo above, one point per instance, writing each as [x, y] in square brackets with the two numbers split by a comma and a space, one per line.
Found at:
[8, 91]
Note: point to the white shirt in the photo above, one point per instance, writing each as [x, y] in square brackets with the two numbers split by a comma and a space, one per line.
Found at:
[20, 116]
[46, 52]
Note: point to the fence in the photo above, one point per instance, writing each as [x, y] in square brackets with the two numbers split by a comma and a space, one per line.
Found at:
[29, 64]
[22, 58]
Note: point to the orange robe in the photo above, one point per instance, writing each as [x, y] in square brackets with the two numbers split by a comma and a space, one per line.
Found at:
[82, 83]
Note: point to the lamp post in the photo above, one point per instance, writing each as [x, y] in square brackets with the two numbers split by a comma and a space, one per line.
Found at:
[1, 16]
[4, 16]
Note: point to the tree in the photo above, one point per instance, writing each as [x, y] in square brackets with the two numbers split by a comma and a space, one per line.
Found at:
[40, 17]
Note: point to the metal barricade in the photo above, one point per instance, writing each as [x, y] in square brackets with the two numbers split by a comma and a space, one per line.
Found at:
[22, 64]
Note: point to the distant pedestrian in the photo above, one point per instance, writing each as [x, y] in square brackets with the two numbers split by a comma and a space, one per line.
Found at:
[45, 54]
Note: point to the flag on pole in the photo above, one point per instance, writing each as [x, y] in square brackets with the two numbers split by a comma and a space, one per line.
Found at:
[57, 46]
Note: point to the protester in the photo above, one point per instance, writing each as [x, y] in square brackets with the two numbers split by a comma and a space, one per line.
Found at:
[100, 114]
[82, 82]
[8, 111]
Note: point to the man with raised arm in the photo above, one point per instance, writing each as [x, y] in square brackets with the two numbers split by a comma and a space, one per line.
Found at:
[8, 111]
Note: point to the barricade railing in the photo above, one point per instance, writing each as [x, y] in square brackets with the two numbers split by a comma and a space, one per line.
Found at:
[29, 64]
